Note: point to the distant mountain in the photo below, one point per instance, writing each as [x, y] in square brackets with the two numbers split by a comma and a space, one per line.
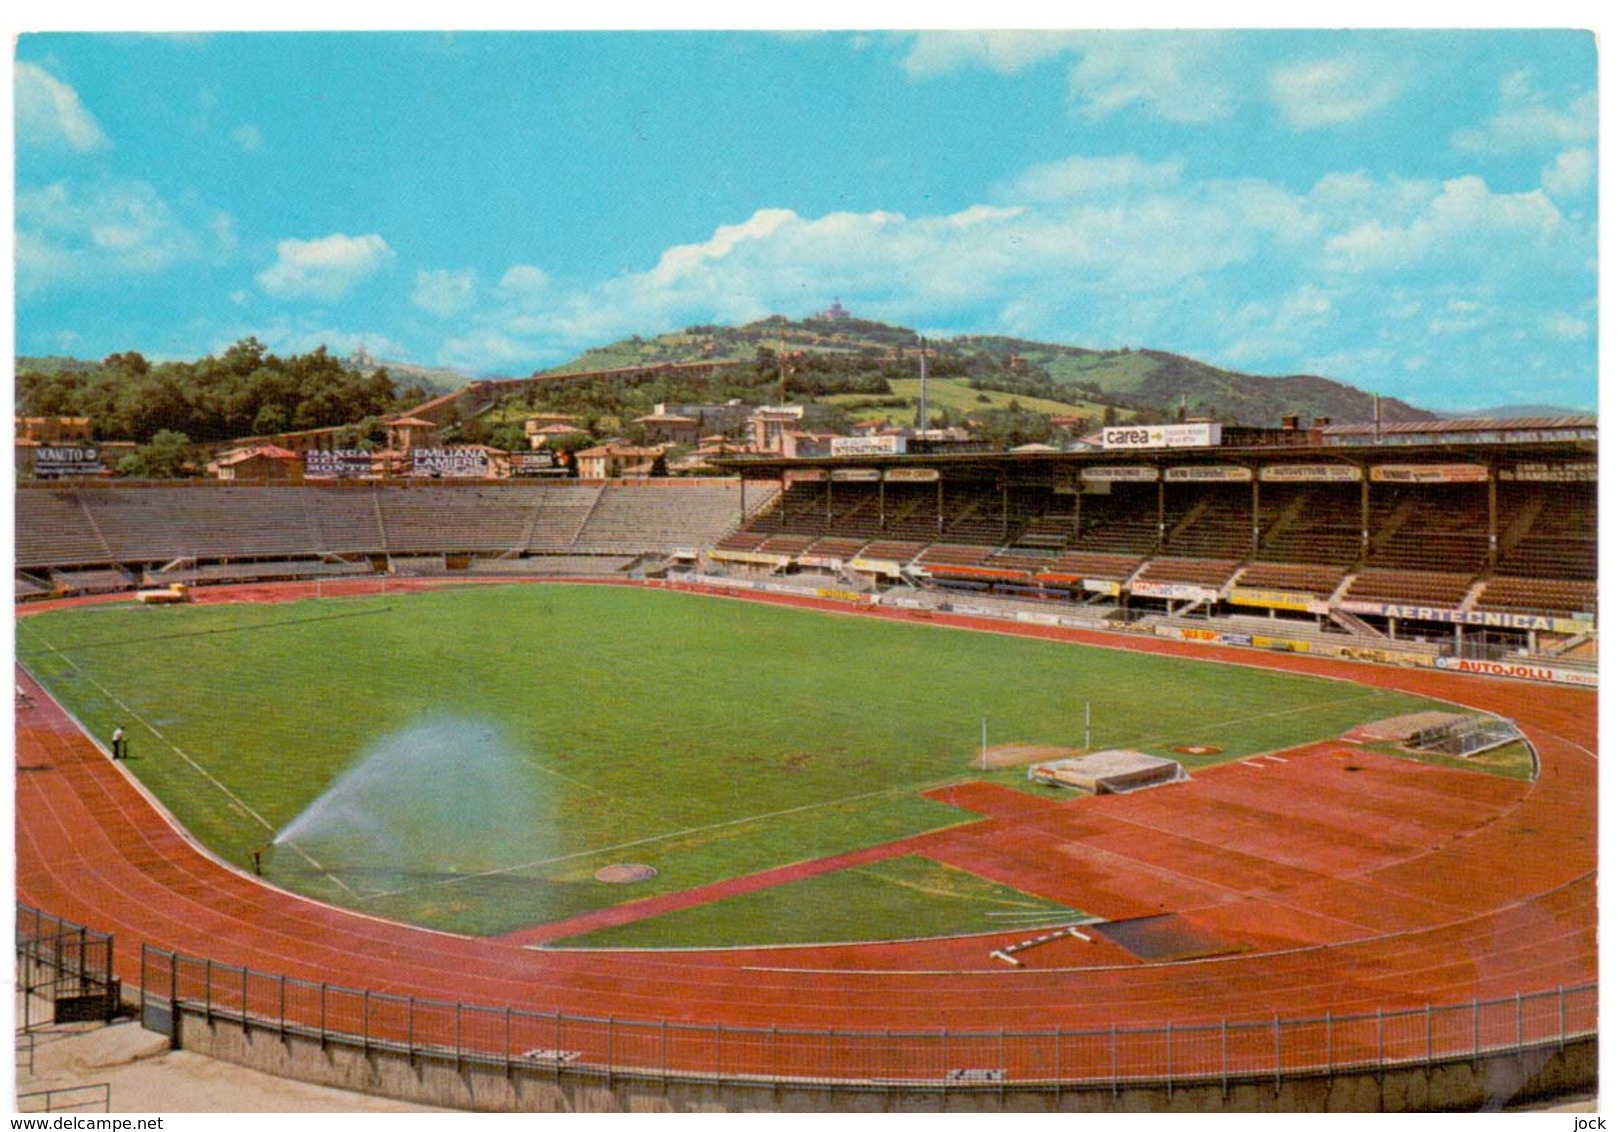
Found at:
[1147, 383]
[435, 380]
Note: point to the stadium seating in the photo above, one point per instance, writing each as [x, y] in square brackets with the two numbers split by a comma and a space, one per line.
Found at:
[1210, 521]
[1440, 590]
[1318, 581]
[1538, 596]
[1212, 574]
[1319, 523]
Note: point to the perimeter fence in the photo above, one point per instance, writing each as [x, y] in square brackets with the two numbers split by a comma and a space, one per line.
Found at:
[173, 985]
[64, 971]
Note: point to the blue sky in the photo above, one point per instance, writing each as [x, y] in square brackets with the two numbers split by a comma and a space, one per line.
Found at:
[1413, 212]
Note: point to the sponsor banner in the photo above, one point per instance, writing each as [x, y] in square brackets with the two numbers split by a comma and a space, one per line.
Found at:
[876, 565]
[855, 475]
[1277, 599]
[1161, 436]
[1174, 591]
[1484, 618]
[1519, 670]
[67, 460]
[818, 561]
[840, 595]
[338, 462]
[1120, 473]
[751, 557]
[944, 570]
[540, 463]
[1309, 473]
[1280, 644]
[1207, 636]
[1572, 472]
[807, 475]
[462, 462]
[1386, 656]
[911, 475]
[868, 446]
[1101, 586]
[1209, 473]
[1429, 473]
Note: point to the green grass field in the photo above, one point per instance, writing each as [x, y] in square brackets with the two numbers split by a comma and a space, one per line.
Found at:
[468, 758]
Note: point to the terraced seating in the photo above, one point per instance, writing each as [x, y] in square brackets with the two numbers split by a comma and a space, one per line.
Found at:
[466, 519]
[345, 520]
[789, 545]
[555, 565]
[54, 529]
[29, 586]
[1538, 596]
[103, 581]
[1217, 524]
[945, 554]
[742, 541]
[1441, 590]
[1321, 526]
[1561, 539]
[1434, 530]
[1123, 522]
[836, 547]
[135, 522]
[557, 513]
[646, 518]
[1188, 571]
[1318, 581]
[890, 550]
[1102, 567]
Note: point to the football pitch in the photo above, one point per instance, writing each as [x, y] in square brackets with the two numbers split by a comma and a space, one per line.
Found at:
[468, 759]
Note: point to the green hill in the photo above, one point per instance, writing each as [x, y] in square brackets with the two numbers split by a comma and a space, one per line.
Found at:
[1145, 384]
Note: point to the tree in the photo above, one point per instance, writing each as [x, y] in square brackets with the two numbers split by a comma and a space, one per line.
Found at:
[164, 457]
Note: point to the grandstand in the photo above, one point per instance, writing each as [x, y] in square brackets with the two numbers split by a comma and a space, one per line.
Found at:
[1491, 540]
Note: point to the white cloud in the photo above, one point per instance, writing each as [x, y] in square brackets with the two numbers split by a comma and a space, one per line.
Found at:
[1566, 327]
[1572, 174]
[1527, 119]
[445, 293]
[1003, 52]
[1179, 76]
[1183, 76]
[326, 268]
[1082, 176]
[1464, 219]
[68, 235]
[524, 282]
[1331, 92]
[49, 113]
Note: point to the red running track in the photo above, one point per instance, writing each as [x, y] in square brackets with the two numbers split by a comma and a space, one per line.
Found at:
[1412, 886]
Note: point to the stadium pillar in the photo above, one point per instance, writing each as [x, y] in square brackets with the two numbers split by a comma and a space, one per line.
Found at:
[1494, 535]
[1255, 512]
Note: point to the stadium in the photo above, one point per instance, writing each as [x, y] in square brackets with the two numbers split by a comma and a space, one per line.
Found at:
[785, 851]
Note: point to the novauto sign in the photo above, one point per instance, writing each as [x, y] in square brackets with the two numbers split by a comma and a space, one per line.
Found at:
[1161, 436]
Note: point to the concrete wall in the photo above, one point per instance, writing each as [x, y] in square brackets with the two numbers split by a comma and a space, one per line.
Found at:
[435, 1079]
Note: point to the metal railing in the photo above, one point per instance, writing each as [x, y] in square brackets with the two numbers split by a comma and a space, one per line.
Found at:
[65, 965]
[1247, 1049]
